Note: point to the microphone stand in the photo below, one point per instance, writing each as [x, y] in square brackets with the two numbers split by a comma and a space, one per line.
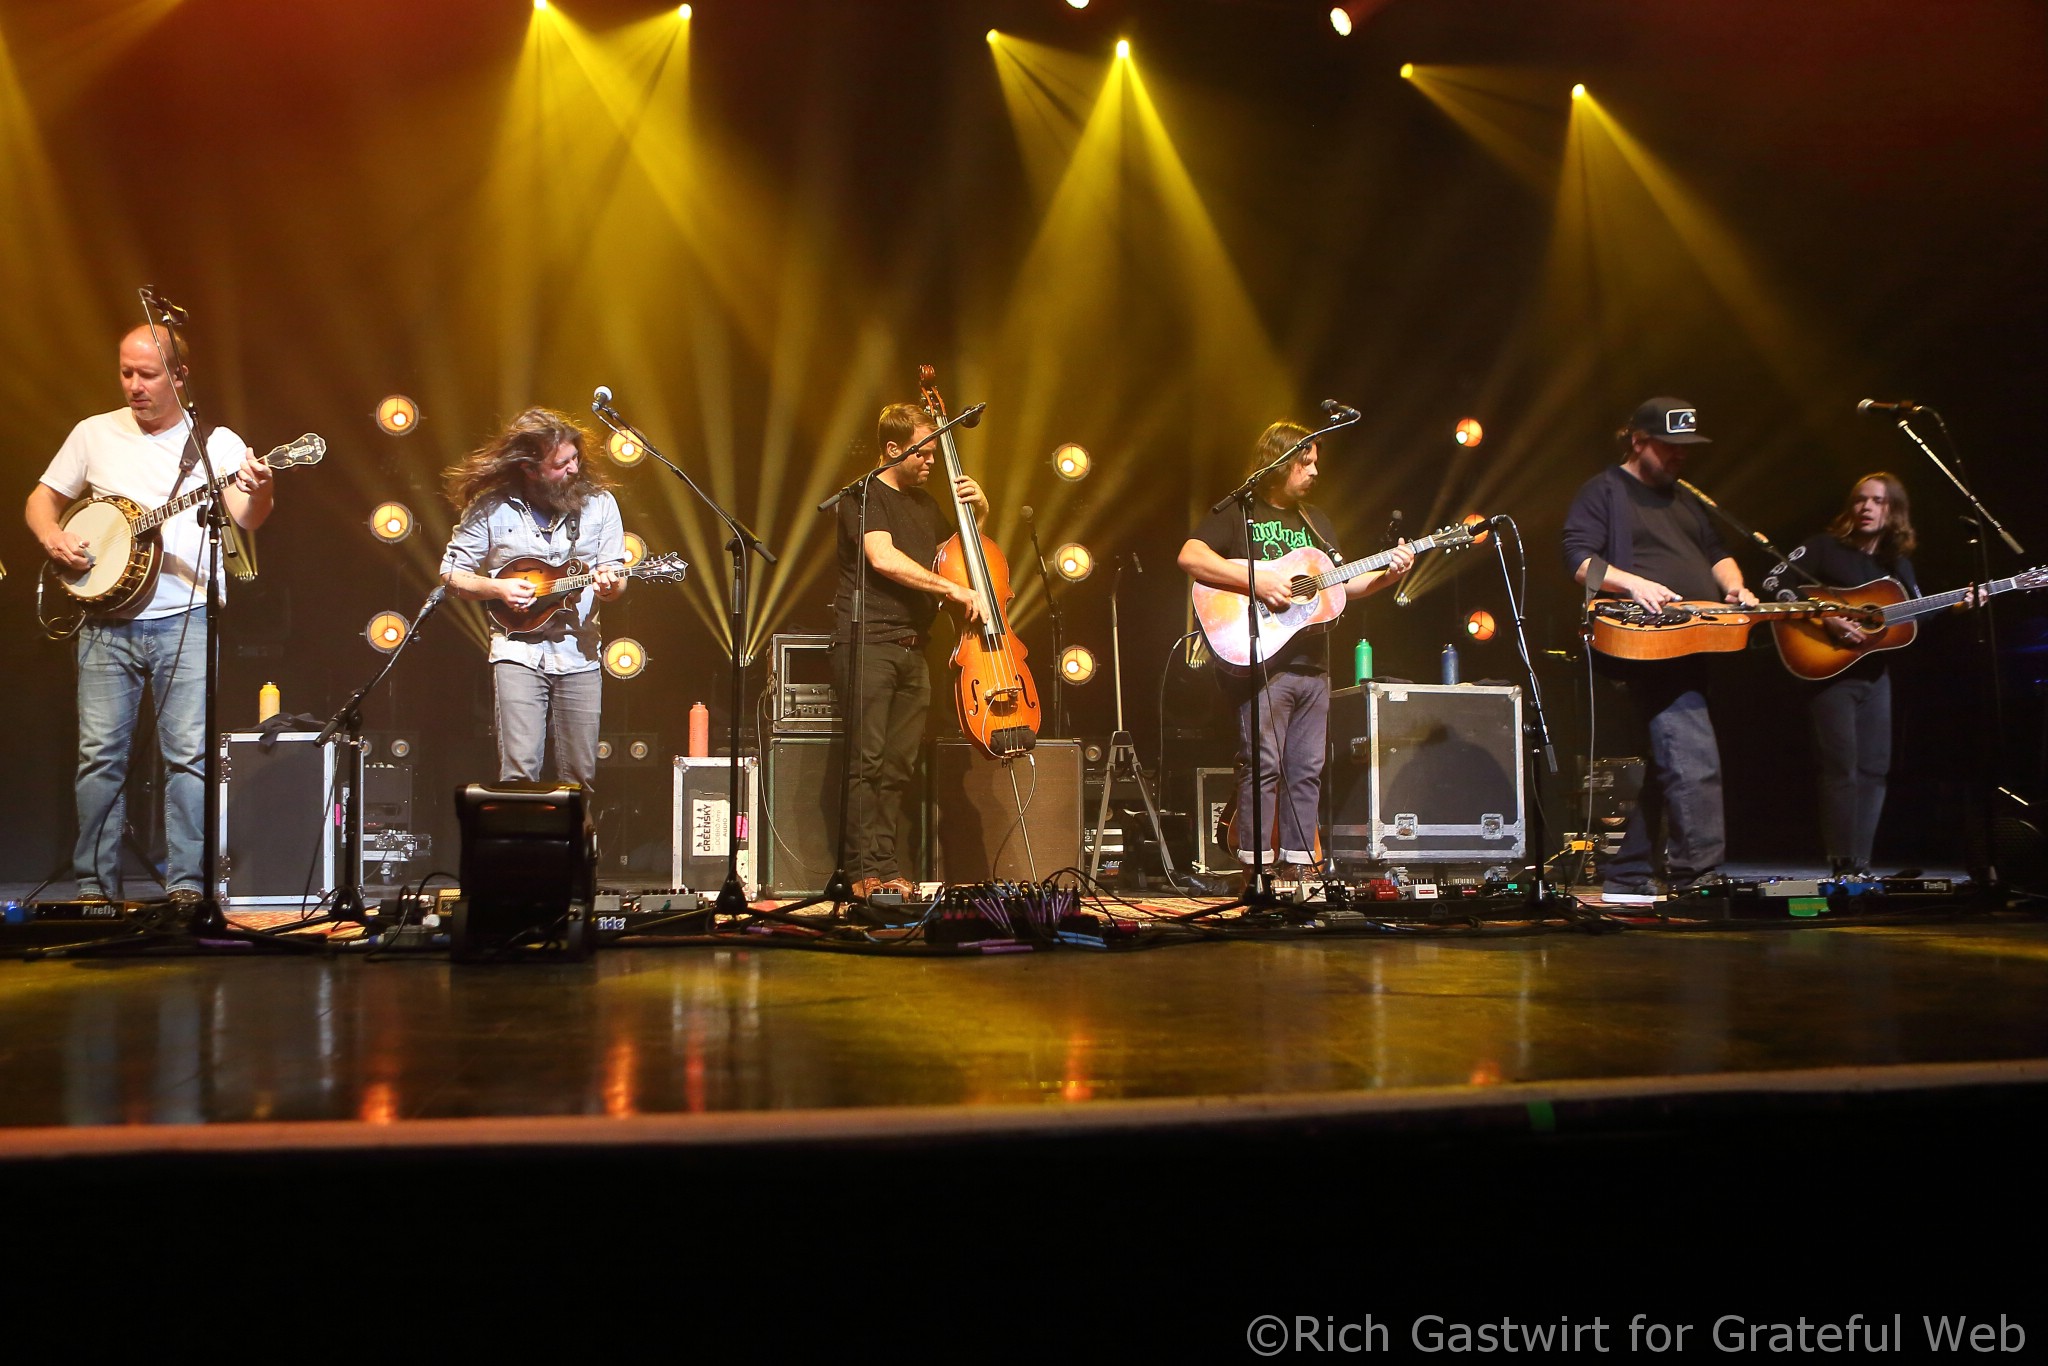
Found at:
[1258, 894]
[1991, 719]
[1755, 536]
[1535, 733]
[732, 895]
[348, 903]
[209, 917]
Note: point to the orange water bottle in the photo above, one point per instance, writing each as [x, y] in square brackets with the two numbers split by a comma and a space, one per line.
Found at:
[700, 731]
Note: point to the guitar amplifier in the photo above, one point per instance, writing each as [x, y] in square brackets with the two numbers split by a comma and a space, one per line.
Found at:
[1426, 774]
[802, 698]
[280, 835]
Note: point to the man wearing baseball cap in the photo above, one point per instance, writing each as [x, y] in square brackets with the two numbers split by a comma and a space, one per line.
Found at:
[1632, 532]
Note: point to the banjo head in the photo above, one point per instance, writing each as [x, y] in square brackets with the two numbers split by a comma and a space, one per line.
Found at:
[120, 564]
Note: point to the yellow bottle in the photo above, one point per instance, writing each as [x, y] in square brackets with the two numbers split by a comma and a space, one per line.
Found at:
[267, 700]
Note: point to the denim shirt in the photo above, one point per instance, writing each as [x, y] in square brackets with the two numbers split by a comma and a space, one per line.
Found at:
[499, 528]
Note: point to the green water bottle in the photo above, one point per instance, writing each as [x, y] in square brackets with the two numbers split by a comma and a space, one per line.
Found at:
[1361, 663]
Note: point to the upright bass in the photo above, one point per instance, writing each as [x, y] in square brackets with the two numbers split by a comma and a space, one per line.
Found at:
[992, 688]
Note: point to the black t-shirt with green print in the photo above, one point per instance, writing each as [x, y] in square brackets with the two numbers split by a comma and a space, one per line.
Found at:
[1276, 532]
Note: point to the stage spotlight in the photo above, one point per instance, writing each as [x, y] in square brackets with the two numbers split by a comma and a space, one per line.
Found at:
[1407, 71]
[386, 631]
[604, 750]
[636, 549]
[1469, 432]
[398, 415]
[1578, 92]
[1077, 664]
[1077, 4]
[682, 11]
[400, 747]
[540, 4]
[1072, 463]
[1478, 525]
[1340, 19]
[1123, 48]
[1072, 562]
[624, 450]
[638, 750]
[391, 522]
[624, 658]
[1479, 626]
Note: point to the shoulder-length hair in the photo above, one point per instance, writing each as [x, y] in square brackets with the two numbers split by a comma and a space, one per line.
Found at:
[1897, 537]
[508, 458]
[1271, 445]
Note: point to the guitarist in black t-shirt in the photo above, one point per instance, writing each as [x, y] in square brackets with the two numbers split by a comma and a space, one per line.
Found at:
[1294, 693]
[904, 529]
[1629, 525]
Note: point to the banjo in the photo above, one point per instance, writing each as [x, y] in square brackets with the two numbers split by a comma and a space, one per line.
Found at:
[124, 556]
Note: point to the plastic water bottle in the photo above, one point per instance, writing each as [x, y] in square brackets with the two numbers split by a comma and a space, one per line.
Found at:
[700, 731]
[267, 702]
[1450, 662]
[1361, 662]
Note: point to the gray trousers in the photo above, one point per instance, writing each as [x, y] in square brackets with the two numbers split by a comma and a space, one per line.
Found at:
[1294, 725]
[536, 709]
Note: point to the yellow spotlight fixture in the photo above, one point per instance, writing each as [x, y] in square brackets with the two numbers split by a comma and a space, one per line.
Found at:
[386, 631]
[540, 4]
[991, 36]
[1072, 562]
[624, 450]
[1340, 19]
[1123, 46]
[1479, 626]
[1578, 92]
[391, 522]
[1407, 71]
[624, 658]
[398, 415]
[1469, 432]
[1077, 664]
[682, 11]
[1072, 463]
[1077, 4]
[636, 549]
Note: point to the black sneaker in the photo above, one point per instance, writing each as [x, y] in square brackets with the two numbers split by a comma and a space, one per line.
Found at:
[1630, 894]
[1703, 882]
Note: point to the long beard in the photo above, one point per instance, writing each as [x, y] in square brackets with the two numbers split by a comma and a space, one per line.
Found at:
[552, 500]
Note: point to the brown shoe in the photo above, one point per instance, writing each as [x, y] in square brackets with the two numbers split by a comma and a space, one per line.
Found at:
[865, 887]
[902, 886]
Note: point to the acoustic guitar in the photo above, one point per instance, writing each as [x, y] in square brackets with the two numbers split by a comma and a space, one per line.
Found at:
[553, 583]
[125, 553]
[1314, 582]
[1882, 609]
[1622, 629]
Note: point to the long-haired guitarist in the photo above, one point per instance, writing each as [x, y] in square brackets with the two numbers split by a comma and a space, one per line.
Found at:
[528, 493]
[143, 453]
[1870, 538]
[1654, 544]
[1293, 686]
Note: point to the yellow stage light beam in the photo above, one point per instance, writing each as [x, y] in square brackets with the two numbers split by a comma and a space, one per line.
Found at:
[76, 42]
[1509, 111]
[1048, 93]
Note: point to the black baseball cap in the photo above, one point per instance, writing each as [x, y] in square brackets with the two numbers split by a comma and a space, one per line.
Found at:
[1669, 419]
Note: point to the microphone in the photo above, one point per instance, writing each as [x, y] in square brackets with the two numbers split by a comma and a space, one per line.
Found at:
[1872, 405]
[171, 312]
[1026, 512]
[601, 401]
[1498, 518]
[972, 417]
[1338, 412]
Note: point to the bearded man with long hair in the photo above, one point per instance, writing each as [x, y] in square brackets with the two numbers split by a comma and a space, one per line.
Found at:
[529, 492]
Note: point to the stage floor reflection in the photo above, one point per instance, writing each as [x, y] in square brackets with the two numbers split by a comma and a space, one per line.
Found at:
[671, 1031]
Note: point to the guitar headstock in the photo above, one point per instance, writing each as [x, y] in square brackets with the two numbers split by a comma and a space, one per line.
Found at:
[306, 450]
[664, 568]
[2028, 581]
[1456, 536]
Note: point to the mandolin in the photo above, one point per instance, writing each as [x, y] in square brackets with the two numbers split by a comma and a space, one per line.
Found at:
[553, 583]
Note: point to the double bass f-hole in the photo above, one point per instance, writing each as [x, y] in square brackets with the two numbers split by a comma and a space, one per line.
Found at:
[992, 690]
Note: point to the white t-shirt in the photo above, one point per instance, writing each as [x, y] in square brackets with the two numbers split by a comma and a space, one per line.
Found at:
[109, 453]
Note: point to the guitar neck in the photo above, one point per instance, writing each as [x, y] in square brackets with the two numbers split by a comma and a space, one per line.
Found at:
[1351, 569]
[1938, 602]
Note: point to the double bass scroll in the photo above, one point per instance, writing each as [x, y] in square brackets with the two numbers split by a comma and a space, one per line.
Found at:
[993, 692]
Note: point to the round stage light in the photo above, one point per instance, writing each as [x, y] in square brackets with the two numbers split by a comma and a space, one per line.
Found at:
[400, 747]
[1478, 524]
[1123, 46]
[1479, 626]
[1407, 71]
[1578, 92]
[1340, 20]
[991, 37]
[1077, 664]
[1469, 432]
[397, 415]
[624, 450]
[1073, 562]
[624, 658]
[683, 11]
[1077, 4]
[1072, 463]
[639, 750]
[636, 549]
[391, 522]
[604, 750]
[386, 631]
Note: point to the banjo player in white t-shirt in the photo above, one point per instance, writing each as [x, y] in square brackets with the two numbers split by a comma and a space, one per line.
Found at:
[159, 641]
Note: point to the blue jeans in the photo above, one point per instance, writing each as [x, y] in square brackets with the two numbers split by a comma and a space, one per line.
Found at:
[1677, 831]
[116, 660]
[1294, 725]
[535, 708]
